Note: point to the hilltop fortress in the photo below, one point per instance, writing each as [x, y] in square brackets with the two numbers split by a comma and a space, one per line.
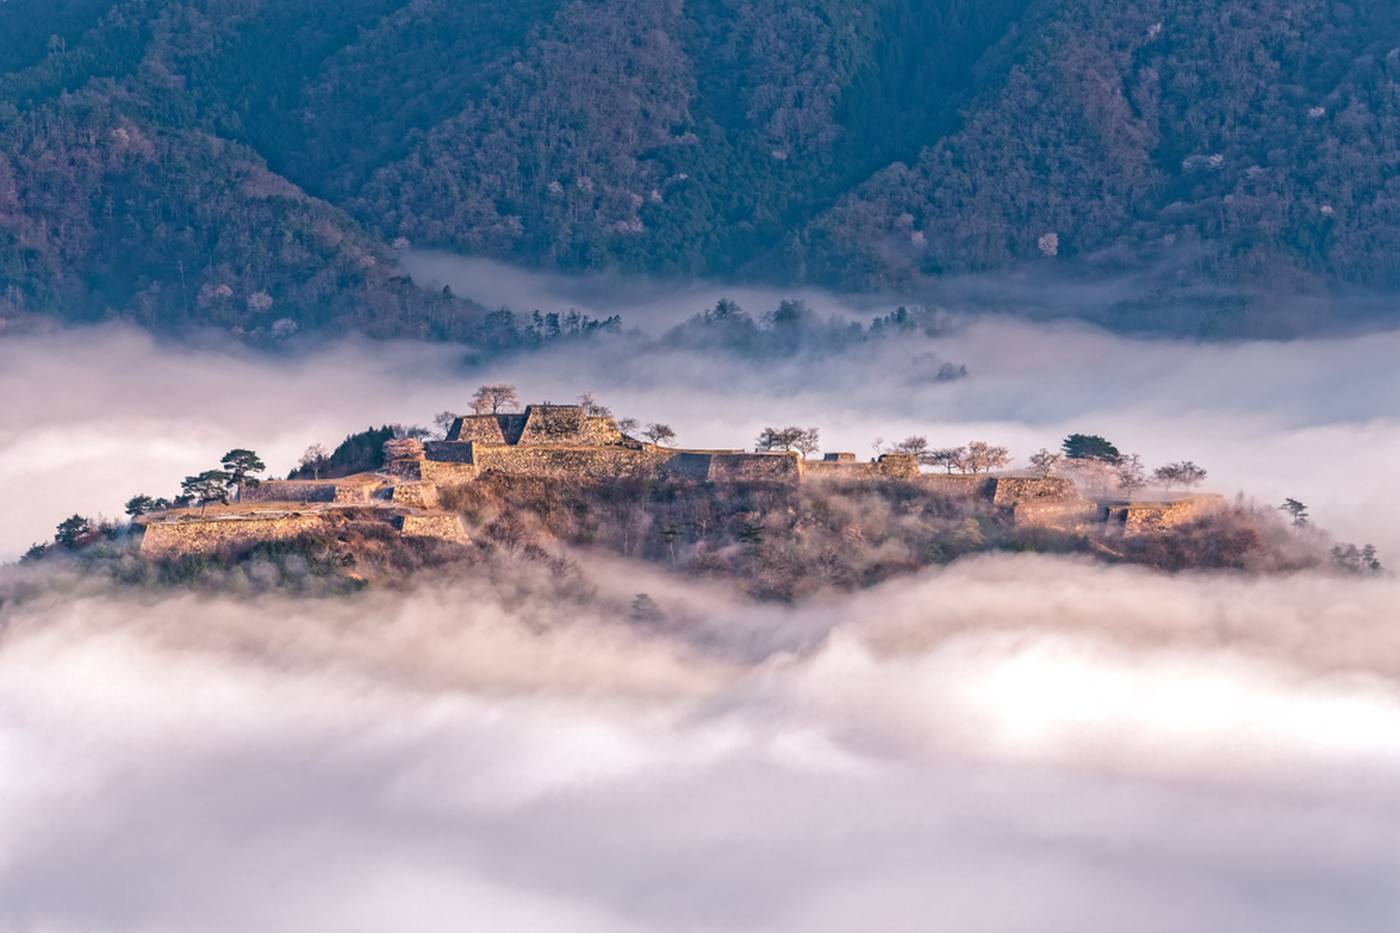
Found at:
[570, 443]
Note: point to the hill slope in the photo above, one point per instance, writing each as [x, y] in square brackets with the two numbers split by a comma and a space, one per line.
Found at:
[180, 160]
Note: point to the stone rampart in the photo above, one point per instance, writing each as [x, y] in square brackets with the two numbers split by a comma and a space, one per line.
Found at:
[444, 473]
[291, 490]
[784, 467]
[449, 451]
[346, 490]
[440, 525]
[846, 466]
[579, 464]
[484, 429]
[567, 425]
[1134, 518]
[194, 535]
[1009, 491]
[415, 495]
[538, 425]
[971, 485]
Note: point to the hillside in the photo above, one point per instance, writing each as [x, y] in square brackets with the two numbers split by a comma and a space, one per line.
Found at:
[554, 483]
[243, 164]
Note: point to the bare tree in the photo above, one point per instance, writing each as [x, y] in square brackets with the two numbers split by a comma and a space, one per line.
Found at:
[1095, 478]
[444, 420]
[1044, 462]
[780, 438]
[981, 457]
[314, 459]
[628, 425]
[808, 442]
[1183, 473]
[947, 457]
[590, 406]
[659, 434]
[914, 445]
[1130, 473]
[492, 399]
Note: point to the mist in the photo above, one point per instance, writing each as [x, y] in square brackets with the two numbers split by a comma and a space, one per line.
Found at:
[96, 415]
[1008, 744]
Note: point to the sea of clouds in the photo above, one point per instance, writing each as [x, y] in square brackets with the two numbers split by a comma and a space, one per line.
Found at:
[1008, 744]
[1012, 743]
[94, 416]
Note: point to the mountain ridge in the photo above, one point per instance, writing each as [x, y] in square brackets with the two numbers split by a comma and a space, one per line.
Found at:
[156, 151]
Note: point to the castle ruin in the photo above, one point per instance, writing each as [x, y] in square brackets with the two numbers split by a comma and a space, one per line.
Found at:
[570, 443]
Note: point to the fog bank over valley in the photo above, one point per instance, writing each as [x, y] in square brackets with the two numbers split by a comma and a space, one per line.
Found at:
[102, 413]
[1019, 741]
[1022, 742]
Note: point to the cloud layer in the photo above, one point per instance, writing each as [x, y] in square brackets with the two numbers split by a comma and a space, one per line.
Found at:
[101, 414]
[1010, 744]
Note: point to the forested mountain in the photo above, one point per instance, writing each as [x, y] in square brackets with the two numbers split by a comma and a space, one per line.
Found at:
[253, 164]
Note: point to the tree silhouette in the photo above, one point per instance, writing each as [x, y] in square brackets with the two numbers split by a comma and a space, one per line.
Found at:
[1044, 462]
[71, 530]
[1090, 447]
[491, 399]
[1183, 473]
[1296, 510]
[659, 434]
[240, 465]
[204, 488]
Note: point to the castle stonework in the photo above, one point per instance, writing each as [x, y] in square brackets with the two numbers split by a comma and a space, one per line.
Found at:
[1135, 518]
[846, 466]
[195, 535]
[568, 443]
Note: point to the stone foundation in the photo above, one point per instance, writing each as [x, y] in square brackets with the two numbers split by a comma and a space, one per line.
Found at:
[846, 466]
[347, 490]
[193, 535]
[1135, 518]
[416, 495]
[442, 526]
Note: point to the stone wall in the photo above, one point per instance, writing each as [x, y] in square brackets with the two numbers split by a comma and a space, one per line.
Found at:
[291, 490]
[1008, 491]
[846, 466]
[567, 425]
[784, 467]
[1134, 518]
[449, 451]
[538, 425]
[970, 485]
[484, 429]
[445, 473]
[568, 463]
[440, 525]
[352, 489]
[736, 466]
[416, 495]
[193, 535]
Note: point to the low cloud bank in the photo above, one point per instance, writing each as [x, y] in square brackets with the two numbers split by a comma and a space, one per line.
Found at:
[97, 415]
[1009, 744]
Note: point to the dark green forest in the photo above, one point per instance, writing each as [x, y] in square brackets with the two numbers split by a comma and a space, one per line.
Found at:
[260, 167]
